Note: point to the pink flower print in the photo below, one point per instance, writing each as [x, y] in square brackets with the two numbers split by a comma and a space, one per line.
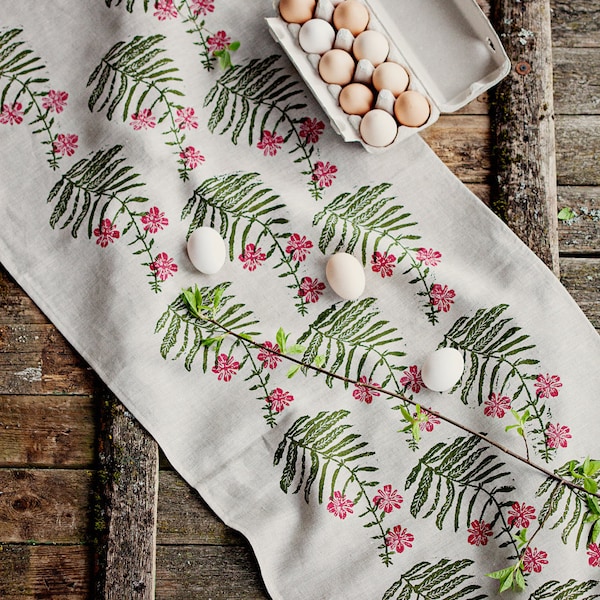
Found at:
[164, 9]
[154, 220]
[186, 118]
[339, 505]
[324, 173]
[412, 378]
[107, 233]
[521, 515]
[310, 289]
[65, 144]
[398, 538]
[219, 41]
[269, 355]
[163, 266]
[388, 499]
[278, 399]
[429, 257]
[12, 114]
[557, 435]
[191, 157]
[270, 143]
[252, 257]
[479, 532]
[593, 551]
[55, 101]
[363, 393]
[226, 367]
[547, 386]
[534, 560]
[311, 129]
[429, 422]
[441, 296]
[143, 120]
[202, 7]
[496, 405]
[383, 264]
[298, 247]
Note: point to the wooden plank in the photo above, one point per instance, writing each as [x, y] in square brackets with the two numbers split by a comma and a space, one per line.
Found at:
[17, 307]
[580, 235]
[125, 510]
[576, 23]
[522, 116]
[47, 431]
[581, 277]
[578, 150]
[577, 81]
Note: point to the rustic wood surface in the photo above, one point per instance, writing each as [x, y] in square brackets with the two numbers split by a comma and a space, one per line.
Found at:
[50, 399]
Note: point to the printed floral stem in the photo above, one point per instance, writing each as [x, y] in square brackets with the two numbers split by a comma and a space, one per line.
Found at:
[207, 61]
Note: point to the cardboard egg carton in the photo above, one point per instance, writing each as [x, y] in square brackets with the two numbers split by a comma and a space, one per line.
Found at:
[448, 47]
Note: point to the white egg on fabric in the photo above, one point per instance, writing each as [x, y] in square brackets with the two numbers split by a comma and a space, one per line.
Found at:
[345, 275]
[206, 250]
[316, 36]
[442, 369]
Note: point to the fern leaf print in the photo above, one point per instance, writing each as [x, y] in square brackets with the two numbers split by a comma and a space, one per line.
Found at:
[93, 196]
[24, 95]
[571, 590]
[260, 99]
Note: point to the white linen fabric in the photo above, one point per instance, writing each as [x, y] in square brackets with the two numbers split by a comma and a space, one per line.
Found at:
[120, 134]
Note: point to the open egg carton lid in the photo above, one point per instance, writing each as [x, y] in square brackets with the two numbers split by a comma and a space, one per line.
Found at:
[449, 48]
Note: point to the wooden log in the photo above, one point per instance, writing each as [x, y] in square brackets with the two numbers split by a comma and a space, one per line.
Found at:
[522, 115]
[125, 508]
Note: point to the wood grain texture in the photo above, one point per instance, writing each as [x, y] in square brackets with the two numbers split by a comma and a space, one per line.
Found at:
[581, 277]
[578, 150]
[576, 23]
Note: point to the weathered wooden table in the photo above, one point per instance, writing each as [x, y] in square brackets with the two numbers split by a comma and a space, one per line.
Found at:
[89, 509]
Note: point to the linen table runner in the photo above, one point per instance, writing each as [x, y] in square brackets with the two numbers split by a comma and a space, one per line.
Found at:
[302, 419]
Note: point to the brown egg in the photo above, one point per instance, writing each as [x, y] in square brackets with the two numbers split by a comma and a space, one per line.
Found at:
[352, 15]
[390, 76]
[336, 66]
[297, 11]
[378, 128]
[372, 46]
[412, 109]
[356, 99]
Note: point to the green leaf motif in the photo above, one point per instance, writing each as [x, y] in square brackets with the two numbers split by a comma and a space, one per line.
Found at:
[129, 4]
[571, 590]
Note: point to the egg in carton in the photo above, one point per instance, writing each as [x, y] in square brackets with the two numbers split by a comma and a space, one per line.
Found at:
[380, 84]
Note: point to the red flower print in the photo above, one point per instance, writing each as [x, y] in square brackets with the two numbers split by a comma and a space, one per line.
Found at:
[154, 220]
[164, 9]
[226, 367]
[547, 386]
[106, 233]
[186, 118]
[11, 114]
[298, 247]
[163, 266]
[441, 296]
[270, 143]
[252, 257]
[310, 289]
[398, 538]
[593, 551]
[143, 120]
[520, 515]
[429, 257]
[363, 393]
[202, 7]
[383, 264]
[191, 157]
[430, 421]
[55, 101]
[534, 560]
[412, 378]
[269, 355]
[278, 399]
[65, 144]
[324, 173]
[496, 405]
[388, 499]
[339, 505]
[479, 532]
[557, 435]
[219, 41]
[311, 129]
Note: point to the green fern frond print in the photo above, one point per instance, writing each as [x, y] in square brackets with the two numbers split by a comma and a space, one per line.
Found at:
[445, 580]
[129, 4]
[20, 81]
[320, 450]
[571, 590]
